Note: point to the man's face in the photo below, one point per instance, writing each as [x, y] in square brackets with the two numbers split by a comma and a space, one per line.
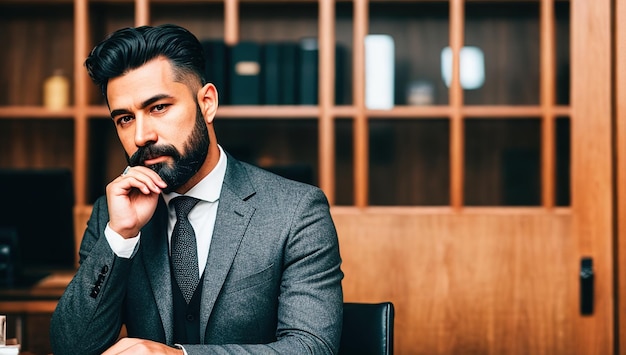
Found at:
[159, 122]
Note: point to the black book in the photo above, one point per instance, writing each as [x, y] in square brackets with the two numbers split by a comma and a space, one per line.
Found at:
[245, 74]
[308, 75]
[340, 74]
[271, 73]
[289, 73]
[215, 52]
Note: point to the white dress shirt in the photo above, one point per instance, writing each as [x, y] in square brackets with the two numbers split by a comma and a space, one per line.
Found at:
[202, 216]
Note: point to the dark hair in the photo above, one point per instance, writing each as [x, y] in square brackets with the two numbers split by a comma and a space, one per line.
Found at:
[129, 48]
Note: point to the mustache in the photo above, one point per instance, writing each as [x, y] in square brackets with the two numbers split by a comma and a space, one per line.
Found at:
[152, 151]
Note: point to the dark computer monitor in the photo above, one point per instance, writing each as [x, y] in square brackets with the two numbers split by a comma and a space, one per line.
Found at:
[36, 214]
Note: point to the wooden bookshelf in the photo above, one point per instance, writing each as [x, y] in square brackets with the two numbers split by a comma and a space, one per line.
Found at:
[427, 195]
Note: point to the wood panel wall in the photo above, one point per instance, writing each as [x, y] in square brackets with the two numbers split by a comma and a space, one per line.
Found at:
[473, 283]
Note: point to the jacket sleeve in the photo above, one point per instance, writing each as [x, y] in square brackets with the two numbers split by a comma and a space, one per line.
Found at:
[88, 317]
[310, 303]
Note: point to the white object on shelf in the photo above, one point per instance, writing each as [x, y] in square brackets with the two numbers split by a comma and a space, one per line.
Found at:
[379, 71]
[472, 67]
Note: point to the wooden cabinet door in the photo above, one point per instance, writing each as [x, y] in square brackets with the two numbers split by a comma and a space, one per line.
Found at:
[504, 280]
[620, 134]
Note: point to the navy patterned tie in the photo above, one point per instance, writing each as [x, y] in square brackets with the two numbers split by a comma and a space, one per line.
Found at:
[184, 249]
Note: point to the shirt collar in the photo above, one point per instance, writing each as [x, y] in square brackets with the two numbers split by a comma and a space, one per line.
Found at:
[210, 187]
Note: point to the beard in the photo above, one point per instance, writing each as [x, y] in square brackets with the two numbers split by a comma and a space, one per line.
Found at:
[183, 165]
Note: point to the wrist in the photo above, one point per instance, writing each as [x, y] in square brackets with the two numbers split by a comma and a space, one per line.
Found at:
[125, 233]
[123, 248]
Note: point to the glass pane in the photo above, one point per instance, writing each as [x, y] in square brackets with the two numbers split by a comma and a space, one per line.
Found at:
[409, 162]
[275, 61]
[205, 20]
[508, 35]
[562, 11]
[106, 18]
[34, 143]
[262, 21]
[419, 31]
[344, 53]
[37, 40]
[109, 17]
[344, 162]
[286, 147]
[562, 171]
[502, 162]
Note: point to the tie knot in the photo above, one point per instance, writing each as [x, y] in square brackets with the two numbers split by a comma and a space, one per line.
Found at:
[183, 204]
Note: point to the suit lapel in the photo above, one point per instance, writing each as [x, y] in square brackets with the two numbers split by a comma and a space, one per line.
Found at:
[233, 217]
[156, 261]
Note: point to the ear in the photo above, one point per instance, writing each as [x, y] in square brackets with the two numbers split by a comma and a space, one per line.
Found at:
[207, 100]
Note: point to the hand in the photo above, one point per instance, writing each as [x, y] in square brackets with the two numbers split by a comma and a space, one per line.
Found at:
[132, 199]
[141, 346]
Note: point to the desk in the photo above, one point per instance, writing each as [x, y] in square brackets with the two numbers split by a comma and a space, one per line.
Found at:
[41, 297]
[29, 310]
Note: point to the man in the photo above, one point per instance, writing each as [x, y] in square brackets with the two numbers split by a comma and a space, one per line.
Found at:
[267, 277]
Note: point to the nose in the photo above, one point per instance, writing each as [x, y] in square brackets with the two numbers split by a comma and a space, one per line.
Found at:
[144, 132]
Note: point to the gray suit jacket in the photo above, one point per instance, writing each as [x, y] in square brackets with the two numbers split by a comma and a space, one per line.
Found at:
[272, 282]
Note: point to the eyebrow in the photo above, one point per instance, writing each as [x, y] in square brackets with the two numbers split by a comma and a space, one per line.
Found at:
[143, 105]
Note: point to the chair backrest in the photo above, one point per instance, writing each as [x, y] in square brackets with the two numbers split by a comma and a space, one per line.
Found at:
[367, 329]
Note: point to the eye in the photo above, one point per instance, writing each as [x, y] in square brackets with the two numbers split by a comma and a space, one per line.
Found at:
[159, 108]
[124, 120]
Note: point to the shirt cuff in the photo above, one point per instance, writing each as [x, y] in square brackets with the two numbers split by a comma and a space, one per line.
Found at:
[122, 247]
[181, 347]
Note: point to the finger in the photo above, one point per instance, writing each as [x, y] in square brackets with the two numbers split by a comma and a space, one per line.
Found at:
[123, 187]
[120, 347]
[142, 180]
[135, 170]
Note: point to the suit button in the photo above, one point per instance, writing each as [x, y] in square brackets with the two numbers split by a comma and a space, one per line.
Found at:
[105, 269]
[190, 317]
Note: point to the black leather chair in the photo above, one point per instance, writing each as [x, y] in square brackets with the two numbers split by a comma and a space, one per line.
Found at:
[367, 329]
